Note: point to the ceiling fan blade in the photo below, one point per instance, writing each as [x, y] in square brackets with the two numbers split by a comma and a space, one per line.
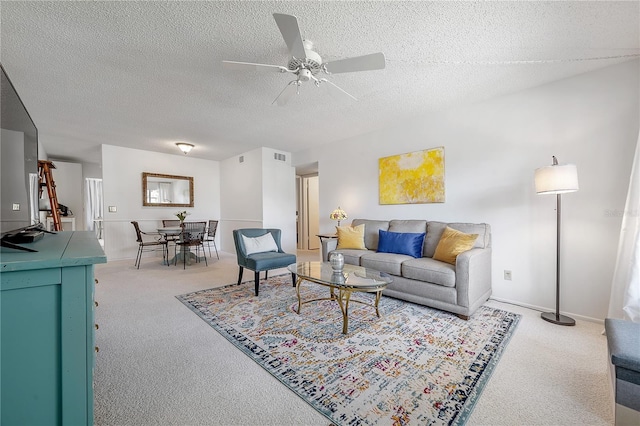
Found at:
[288, 25]
[334, 88]
[374, 61]
[287, 93]
[233, 65]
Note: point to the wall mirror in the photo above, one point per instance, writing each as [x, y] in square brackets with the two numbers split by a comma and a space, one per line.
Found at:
[160, 190]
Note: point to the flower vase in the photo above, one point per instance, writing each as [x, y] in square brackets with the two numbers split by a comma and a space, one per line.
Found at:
[338, 277]
[337, 261]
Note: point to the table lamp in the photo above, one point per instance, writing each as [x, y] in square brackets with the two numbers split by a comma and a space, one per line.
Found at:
[338, 214]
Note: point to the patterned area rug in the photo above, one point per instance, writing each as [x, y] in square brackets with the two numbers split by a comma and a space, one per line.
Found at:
[413, 365]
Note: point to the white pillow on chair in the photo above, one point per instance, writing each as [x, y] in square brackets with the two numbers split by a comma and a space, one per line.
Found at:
[259, 244]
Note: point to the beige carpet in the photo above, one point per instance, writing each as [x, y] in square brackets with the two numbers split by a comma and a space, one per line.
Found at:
[161, 364]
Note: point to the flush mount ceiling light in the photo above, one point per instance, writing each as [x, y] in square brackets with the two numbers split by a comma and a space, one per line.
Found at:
[184, 147]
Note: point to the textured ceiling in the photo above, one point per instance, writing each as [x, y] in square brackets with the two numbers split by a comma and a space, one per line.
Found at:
[147, 74]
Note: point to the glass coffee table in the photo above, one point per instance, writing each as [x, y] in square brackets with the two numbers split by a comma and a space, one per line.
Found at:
[351, 279]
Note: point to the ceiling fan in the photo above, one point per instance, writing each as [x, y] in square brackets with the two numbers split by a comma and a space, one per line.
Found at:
[306, 64]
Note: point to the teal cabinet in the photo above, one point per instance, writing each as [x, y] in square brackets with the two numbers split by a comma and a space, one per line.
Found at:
[46, 333]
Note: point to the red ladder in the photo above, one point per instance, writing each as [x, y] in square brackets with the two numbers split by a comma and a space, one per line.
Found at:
[46, 179]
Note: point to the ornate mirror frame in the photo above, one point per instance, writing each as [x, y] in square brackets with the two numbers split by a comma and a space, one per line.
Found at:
[146, 200]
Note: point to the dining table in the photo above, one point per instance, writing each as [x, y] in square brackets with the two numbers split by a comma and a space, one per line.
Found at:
[171, 233]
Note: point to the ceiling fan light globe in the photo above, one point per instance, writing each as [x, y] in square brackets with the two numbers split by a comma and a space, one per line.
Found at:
[313, 59]
[304, 75]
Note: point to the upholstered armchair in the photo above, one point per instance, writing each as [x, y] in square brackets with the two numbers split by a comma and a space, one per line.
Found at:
[260, 250]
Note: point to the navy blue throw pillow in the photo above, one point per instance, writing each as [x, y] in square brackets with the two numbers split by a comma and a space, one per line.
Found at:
[401, 243]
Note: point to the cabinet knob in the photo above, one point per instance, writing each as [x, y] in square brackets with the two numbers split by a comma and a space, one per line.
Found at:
[97, 349]
[96, 303]
[97, 326]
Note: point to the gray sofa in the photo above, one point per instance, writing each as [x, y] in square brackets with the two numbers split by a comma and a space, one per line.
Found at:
[461, 288]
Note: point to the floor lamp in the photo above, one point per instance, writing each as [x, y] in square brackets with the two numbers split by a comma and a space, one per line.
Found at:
[557, 179]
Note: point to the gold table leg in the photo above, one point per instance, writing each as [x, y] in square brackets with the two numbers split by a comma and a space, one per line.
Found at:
[343, 297]
[343, 300]
[298, 281]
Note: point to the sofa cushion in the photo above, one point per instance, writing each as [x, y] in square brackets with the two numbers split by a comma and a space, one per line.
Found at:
[623, 339]
[352, 257]
[371, 228]
[269, 260]
[350, 237]
[452, 243]
[430, 270]
[390, 263]
[415, 226]
[408, 243]
[435, 230]
[409, 226]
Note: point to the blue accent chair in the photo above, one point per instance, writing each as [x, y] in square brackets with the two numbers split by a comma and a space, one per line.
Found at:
[623, 344]
[259, 262]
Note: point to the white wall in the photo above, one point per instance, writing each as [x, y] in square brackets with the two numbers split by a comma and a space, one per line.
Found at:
[279, 196]
[91, 170]
[13, 191]
[69, 184]
[258, 193]
[122, 170]
[242, 195]
[491, 151]
[42, 153]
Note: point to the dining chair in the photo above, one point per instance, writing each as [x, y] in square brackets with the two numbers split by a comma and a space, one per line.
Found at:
[149, 241]
[211, 237]
[193, 234]
[170, 223]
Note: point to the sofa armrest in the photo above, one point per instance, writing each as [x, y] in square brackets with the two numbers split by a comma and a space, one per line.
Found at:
[328, 245]
[473, 275]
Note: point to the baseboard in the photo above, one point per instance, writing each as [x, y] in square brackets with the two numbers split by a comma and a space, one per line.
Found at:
[543, 309]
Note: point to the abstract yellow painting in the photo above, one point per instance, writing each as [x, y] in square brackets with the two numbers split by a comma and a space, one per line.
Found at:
[413, 178]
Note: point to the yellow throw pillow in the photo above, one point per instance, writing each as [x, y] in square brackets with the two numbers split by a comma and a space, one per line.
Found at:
[351, 237]
[452, 243]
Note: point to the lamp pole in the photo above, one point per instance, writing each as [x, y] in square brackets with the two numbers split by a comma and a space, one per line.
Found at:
[556, 317]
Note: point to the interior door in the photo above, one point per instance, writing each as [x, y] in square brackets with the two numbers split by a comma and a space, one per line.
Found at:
[313, 218]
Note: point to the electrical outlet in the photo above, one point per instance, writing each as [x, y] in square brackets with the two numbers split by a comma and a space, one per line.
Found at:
[113, 209]
[507, 275]
[16, 207]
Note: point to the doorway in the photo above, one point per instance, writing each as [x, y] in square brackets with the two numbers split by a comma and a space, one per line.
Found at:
[308, 212]
[93, 207]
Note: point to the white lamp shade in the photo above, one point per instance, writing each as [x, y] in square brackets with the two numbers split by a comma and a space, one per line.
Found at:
[556, 179]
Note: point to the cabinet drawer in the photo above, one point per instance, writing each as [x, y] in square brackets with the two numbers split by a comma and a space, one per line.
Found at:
[25, 279]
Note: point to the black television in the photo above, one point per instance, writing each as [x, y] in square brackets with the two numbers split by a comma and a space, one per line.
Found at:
[19, 185]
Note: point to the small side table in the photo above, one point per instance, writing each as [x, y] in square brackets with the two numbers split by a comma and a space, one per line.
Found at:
[325, 237]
